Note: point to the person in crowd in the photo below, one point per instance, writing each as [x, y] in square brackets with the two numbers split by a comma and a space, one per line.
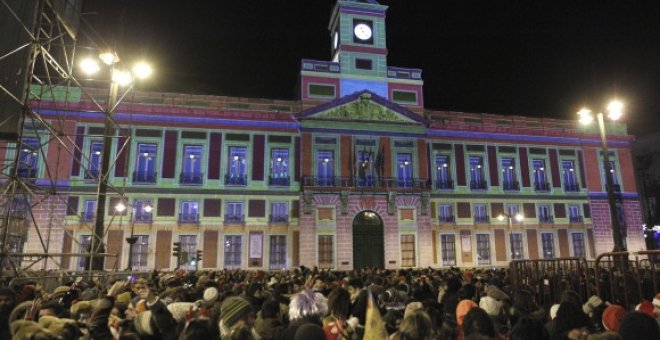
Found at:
[571, 323]
[638, 325]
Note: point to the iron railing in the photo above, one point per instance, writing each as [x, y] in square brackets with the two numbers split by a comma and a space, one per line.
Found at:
[541, 186]
[191, 178]
[279, 181]
[144, 177]
[382, 183]
[444, 185]
[235, 179]
[571, 187]
[511, 186]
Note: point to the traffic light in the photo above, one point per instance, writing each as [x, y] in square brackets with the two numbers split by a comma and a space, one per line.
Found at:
[176, 252]
[199, 255]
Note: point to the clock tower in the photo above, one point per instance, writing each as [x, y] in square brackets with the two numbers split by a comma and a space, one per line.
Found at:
[358, 48]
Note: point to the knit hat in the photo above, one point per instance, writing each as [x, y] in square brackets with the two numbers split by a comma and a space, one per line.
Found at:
[233, 309]
[497, 293]
[411, 308]
[612, 317]
[646, 307]
[210, 295]
[123, 298]
[569, 316]
[593, 302]
[553, 311]
[637, 325]
[490, 305]
[656, 300]
[462, 309]
[307, 303]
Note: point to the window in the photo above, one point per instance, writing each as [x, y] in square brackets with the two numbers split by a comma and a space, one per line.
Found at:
[189, 212]
[545, 213]
[578, 245]
[446, 213]
[574, 215]
[448, 250]
[404, 170]
[85, 246]
[540, 181]
[191, 172]
[326, 251]
[277, 252]
[477, 180]
[513, 210]
[233, 249]
[404, 97]
[443, 179]
[570, 179]
[237, 174]
[94, 165]
[408, 251]
[365, 168]
[318, 90]
[279, 167]
[279, 212]
[89, 212]
[548, 245]
[480, 213]
[483, 249]
[145, 167]
[509, 179]
[28, 158]
[516, 246]
[234, 212]
[140, 253]
[188, 251]
[363, 64]
[325, 168]
[143, 211]
[615, 180]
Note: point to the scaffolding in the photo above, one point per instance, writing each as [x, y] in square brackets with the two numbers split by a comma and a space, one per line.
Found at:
[38, 51]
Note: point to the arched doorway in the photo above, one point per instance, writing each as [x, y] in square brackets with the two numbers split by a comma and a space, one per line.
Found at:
[368, 241]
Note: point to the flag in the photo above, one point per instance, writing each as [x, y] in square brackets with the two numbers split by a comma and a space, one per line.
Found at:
[374, 328]
[380, 161]
[351, 161]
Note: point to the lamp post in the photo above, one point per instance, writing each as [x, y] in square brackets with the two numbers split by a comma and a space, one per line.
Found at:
[118, 77]
[132, 239]
[614, 113]
[519, 218]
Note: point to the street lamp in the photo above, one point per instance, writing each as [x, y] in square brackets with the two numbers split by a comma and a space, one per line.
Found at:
[132, 239]
[510, 217]
[118, 77]
[615, 111]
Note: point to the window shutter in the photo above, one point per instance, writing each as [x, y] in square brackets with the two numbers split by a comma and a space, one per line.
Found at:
[560, 210]
[78, 152]
[554, 167]
[166, 206]
[496, 209]
[120, 164]
[215, 152]
[257, 208]
[72, 206]
[587, 210]
[169, 154]
[524, 167]
[529, 209]
[463, 210]
[212, 208]
[295, 209]
[492, 166]
[460, 165]
[258, 158]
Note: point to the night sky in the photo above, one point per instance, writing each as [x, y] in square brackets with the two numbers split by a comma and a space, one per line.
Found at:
[531, 58]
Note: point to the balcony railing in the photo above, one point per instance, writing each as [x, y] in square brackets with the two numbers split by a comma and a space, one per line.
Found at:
[482, 219]
[278, 218]
[546, 219]
[234, 219]
[576, 219]
[235, 179]
[479, 185]
[571, 187]
[26, 172]
[143, 218]
[191, 178]
[88, 215]
[188, 218]
[383, 183]
[447, 219]
[541, 186]
[444, 185]
[511, 186]
[279, 181]
[92, 174]
[144, 177]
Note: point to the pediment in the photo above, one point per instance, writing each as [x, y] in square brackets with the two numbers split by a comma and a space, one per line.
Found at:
[360, 107]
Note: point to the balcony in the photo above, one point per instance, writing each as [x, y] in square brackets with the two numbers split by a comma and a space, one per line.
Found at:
[511, 186]
[571, 187]
[482, 219]
[444, 185]
[479, 185]
[279, 181]
[92, 174]
[576, 219]
[546, 219]
[26, 172]
[145, 177]
[188, 218]
[446, 219]
[235, 179]
[541, 186]
[88, 216]
[143, 218]
[191, 178]
[374, 183]
[234, 219]
[278, 218]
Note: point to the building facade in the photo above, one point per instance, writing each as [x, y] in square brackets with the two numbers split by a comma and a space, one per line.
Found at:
[356, 172]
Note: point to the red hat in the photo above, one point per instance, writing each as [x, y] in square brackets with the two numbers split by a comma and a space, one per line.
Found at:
[612, 317]
[462, 309]
[656, 300]
[646, 307]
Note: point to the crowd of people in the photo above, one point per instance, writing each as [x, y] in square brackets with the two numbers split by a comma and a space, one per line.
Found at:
[307, 303]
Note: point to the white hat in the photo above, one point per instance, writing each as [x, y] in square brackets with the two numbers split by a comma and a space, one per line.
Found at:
[210, 294]
[491, 306]
[273, 281]
[179, 309]
[553, 310]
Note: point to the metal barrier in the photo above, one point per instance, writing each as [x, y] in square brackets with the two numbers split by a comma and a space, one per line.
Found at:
[50, 281]
[617, 277]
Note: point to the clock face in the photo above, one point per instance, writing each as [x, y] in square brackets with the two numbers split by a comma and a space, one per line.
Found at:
[362, 31]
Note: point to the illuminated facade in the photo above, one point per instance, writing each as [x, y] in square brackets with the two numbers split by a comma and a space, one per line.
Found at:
[357, 172]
